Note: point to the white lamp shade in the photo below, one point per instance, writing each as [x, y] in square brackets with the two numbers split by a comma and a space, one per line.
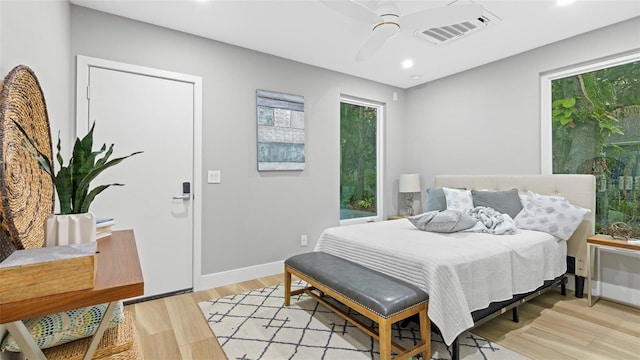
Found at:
[409, 183]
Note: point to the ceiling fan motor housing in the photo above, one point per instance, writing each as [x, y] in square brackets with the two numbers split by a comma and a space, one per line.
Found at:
[390, 25]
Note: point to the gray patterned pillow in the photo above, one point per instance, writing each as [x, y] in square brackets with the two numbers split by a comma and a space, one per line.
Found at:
[446, 221]
[551, 214]
[506, 202]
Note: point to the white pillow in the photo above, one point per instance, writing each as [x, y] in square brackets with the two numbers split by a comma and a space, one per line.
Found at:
[523, 200]
[458, 199]
[551, 214]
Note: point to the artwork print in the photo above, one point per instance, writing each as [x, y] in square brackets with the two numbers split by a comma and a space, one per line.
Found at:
[280, 131]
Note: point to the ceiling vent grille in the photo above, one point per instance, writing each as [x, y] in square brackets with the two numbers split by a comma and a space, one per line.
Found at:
[446, 34]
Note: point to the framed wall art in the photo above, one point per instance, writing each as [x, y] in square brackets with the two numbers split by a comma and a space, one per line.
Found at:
[281, 136]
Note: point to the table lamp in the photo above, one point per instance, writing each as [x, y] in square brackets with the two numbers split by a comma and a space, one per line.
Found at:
[409, 184]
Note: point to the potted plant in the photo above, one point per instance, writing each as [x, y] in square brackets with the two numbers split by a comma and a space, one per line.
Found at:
[74, 223]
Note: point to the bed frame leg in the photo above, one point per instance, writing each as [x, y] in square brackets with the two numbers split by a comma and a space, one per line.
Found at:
[455, 349]
[579, 286]
[563, 287]
[515, 314]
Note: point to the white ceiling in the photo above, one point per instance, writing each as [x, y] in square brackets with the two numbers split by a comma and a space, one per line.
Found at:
[310, 32]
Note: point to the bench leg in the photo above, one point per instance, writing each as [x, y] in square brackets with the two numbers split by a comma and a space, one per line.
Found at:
[287, 287]
[425, 333]
[384, 333]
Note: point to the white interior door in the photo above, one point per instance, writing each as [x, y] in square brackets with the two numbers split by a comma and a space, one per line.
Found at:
[142, 112]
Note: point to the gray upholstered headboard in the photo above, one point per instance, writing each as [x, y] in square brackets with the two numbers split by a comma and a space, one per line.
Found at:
[578, 189]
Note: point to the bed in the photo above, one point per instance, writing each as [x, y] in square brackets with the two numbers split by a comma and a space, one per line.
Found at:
[471, 277]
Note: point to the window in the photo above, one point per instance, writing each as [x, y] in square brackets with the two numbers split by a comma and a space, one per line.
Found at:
[360, 160]
[594, 112]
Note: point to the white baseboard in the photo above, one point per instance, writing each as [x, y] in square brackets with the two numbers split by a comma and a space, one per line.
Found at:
[210, 281]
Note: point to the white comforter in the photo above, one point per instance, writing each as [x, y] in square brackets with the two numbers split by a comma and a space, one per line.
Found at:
[461, 272]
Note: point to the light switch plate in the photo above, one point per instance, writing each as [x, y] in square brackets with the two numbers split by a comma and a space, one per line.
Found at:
[213, 176]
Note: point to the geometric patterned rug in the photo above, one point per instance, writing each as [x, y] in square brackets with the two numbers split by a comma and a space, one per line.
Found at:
[257, 326]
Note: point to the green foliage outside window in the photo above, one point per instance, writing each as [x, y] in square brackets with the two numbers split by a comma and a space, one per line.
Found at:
[358, 161]
[596, 130]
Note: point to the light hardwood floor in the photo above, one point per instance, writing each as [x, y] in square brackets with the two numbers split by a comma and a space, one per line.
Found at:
[551, 326]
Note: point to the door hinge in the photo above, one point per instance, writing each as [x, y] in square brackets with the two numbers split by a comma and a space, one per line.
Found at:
[88, 92]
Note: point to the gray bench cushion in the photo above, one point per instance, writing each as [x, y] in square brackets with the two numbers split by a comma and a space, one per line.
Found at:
[380, 293]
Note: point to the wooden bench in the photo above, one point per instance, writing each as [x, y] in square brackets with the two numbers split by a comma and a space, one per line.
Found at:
[377, 296]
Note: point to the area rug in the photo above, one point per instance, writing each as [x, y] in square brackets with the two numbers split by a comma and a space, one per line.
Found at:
[256, 325]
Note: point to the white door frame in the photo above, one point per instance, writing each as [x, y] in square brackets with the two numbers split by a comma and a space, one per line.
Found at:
[83, 64]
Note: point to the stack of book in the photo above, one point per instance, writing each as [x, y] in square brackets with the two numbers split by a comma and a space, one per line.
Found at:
[103, 227]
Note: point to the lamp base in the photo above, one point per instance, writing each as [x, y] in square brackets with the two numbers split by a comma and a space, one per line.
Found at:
[409, 204]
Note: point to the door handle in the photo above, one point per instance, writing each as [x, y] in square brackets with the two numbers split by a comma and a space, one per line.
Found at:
[186, 192]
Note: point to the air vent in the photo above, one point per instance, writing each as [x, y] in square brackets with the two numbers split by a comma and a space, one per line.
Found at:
[446, 34]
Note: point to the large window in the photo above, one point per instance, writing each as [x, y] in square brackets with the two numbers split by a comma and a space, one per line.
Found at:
[360, 160]
[595, 118]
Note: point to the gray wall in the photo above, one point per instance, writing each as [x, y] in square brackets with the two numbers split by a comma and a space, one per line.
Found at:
[37, 34]
[487, 120]
[251, 218]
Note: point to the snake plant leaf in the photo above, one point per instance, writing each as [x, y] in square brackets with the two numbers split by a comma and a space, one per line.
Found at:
[84, 156]
[43, 161]
[82, 148]
[59, 154]
[41, 158]
[81, 169]
[83, 186]
[92, 194]
[100, 162]
[64, 188]
[72, 181]
[106, 156]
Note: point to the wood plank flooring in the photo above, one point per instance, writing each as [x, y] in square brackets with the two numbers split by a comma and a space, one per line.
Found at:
[551, 326]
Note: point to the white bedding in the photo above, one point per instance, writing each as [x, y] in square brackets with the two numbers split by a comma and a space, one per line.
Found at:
[461, 272]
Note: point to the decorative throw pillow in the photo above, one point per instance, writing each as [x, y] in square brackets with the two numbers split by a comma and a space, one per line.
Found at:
[63, 327]
[551, 214]
[523, 200]
[458, 199]
[505, 202]
[436, 199]
[446, 221]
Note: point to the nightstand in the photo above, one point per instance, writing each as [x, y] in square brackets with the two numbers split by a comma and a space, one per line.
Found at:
[594, 244]
[397, 217]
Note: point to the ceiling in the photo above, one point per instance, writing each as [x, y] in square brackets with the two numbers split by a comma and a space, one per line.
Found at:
[313, 33]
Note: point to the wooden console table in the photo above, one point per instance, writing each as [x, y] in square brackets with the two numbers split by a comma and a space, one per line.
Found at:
[594, 244]
[118, 276]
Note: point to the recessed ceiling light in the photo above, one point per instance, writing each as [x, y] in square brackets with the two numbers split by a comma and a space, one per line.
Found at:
[416, 77]
[564, 2]
[407, 63]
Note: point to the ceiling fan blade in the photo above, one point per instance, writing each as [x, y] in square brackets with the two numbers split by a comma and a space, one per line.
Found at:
[353, 10]
[442, 16]
[375, 41]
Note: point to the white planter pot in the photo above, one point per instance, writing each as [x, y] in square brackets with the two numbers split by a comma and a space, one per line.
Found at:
[70, 229]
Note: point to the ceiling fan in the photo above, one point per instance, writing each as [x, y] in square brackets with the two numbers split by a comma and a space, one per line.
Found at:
[388, 21]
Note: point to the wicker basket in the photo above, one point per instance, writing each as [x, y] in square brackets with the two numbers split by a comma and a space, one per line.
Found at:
[118, 343]
[27, 192]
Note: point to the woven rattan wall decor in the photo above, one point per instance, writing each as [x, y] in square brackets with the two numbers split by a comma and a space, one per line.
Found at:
[27, 192]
